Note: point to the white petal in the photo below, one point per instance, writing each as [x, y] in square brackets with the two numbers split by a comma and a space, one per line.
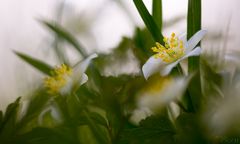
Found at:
[195, 52]
[152, 66]
[79, 77]
[82, 66]
[194, 40]
[140, 114]
[176, 89]
[167, 69]
[174, 110]
[183, 37]
[84, 79]
[171, 91]
[68, 86]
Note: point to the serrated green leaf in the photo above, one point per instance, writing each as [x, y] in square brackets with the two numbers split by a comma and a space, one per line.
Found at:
[149, 21]
[157, 12]
[8, 126]
[38, 64]
[35, 106]
[11, 109]
[64, 34]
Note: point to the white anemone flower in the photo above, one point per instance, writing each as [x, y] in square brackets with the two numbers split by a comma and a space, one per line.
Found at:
[64, 79]
[158, 93]
[174, 51]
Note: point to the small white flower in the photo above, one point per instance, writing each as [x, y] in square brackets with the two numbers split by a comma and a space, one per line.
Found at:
[64, 79]
[163, 92]
[175, 50]
[158, 93]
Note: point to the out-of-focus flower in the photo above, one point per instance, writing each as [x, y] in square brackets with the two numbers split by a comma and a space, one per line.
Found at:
[231, 62]
[175, 50]
[64, 78]
[54, 113]
[158, 93]
[222, 115]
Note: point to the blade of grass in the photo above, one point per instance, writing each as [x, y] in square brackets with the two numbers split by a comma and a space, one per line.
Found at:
[194, 25]
[38, 64]
[149, 21]
[64, 34]
[157, 12]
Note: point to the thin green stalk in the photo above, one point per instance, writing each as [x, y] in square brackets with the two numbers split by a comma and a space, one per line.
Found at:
[157, 13]
[194, 25]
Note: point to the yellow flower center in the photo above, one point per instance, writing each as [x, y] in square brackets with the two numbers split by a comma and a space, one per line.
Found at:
[172, 50]
[157, 84]
[58, 79]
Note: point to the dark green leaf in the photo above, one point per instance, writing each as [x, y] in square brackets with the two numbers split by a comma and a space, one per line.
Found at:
[98, 118]
[8, 126]
[189, 130]
[41, 66]
[149, 21]
[35, 106]
[152, 130]
[62, 33]
[47, 136]
[97, 131]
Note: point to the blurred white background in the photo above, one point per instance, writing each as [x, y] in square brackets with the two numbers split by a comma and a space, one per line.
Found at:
[100, 26]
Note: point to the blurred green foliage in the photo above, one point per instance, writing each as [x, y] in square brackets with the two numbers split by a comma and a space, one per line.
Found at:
[98, 112]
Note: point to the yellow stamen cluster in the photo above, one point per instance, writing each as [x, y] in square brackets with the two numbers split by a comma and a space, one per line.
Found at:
[58, 79]
[172, 50]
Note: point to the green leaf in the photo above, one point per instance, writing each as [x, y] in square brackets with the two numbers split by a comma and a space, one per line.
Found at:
[149, 21]
[157, 12]
[41, 66]
[98, 118]
[64, 34]
[8, 126]
[35, 106]
[154, 129]
[41, 135]
[11, 110]
[189, 130]
[97, 131]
